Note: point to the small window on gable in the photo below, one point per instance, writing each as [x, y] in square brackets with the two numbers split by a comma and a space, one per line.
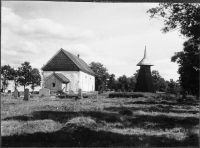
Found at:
[53, 84]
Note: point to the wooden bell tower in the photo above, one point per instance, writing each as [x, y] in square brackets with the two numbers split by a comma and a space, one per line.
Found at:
[144, 79]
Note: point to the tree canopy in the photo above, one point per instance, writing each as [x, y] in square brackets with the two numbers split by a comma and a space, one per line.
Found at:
[24, 75]
[184, 17]
[35, 78]
[158, 82]
[101, 75]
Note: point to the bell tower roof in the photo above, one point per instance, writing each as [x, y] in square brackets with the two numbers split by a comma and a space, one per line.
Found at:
[145, 61]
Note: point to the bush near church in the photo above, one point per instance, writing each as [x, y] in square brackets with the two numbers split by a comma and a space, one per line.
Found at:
[125, 95]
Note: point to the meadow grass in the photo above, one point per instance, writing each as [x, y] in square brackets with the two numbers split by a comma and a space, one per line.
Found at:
[144, 121]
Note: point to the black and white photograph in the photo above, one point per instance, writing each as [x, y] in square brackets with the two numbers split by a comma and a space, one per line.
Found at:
[100, 74]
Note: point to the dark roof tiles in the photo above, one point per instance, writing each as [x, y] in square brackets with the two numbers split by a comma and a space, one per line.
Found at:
[79, 62]
[59, 76]
[69, 63]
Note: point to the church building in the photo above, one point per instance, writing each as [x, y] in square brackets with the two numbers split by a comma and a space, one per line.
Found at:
[67, 72]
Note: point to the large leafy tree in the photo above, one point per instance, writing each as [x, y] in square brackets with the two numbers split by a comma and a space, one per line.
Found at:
[173, 87]
[187, 60]
[35, 78]
[156, 77]
[6, 74]
[131, 83]
[185, 18]
[158, 82]
[25, 74]
[101, 75]
[112, 82]
[123, 82]
[15, 78]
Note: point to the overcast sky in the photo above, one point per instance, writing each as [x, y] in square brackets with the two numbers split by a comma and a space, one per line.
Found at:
[113, 34]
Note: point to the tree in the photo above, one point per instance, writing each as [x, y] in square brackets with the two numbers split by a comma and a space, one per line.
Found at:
[112, 82]
[131, 83]
[25, 74]
[187, 60]
[185, 18]
[15, 78]
[123, 82]
[162, 85]
[101, 75]
[173, 87]
[35, 78]
[6, 74]
[136, 74]
[156, 77]
[158, 82]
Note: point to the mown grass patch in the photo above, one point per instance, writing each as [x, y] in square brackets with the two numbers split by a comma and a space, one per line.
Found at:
[175, 133]
[99, 122]
[14, 127]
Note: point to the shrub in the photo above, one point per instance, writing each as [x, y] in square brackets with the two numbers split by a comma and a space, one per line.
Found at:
[85, 96]
[60, 92]
[36, 92]
[190, 98]
[133, 95]
[116, 94]
[61, 96]
[126, 95]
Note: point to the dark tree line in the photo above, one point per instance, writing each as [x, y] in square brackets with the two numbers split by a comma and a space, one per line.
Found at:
[105, 81]
[24, 76]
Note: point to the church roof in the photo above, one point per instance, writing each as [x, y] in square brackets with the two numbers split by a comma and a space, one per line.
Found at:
[65, 61]
[145, 61]
[80, 63]
[59, 76]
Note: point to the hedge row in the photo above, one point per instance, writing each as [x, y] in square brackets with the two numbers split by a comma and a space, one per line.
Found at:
[72, 96]
[125, 95]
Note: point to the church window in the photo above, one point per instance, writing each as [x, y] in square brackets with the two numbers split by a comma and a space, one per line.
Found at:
[53, 84]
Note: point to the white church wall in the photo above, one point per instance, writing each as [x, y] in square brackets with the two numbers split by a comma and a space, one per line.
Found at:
[78, 79]
[86, 82]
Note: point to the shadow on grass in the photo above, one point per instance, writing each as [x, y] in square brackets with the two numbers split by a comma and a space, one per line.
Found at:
[162, 122]
[164, 102]
[84, 137]
[158, 108]
[156, 122]
[63, 117]
[159, 121]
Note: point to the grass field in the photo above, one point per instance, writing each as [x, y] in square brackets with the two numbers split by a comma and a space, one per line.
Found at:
[150, 121]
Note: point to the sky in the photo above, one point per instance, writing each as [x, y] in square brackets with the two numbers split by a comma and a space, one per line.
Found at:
[113, 34]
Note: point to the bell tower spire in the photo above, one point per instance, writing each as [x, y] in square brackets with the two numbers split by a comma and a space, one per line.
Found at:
[145, 52]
